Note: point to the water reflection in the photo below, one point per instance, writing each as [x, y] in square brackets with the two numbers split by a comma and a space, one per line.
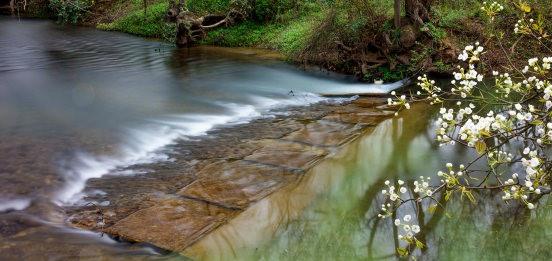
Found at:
[331, 214]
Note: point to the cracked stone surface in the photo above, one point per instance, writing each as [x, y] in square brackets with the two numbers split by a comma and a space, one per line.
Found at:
[212, 179]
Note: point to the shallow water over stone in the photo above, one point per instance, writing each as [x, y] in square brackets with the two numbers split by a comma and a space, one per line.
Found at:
[331, 213]
[98, 126]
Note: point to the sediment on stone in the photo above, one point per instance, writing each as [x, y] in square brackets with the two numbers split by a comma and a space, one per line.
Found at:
[212, 179]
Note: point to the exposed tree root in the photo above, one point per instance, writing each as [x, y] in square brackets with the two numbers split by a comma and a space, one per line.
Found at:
[192, 28]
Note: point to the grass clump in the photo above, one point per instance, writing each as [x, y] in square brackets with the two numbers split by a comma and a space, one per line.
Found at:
[288, 33]
[450, 14]
[244, 34]
[148, 24]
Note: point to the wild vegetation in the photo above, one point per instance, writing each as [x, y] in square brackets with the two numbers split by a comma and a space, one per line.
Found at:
[372, 39]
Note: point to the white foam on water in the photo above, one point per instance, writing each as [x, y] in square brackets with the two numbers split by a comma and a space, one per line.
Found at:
[143, 144]
[361, 88]
[14, 204]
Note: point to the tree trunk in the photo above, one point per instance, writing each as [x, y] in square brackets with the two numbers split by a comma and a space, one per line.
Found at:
[174, 9]
[418, 10]
[397, 16]
[145, 10]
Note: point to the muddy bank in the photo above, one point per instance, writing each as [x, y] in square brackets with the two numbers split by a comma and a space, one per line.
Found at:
[212, 180]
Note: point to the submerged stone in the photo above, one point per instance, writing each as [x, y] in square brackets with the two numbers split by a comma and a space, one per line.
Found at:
[369, 117]
[236, 185]
[291, 155]
[171, 224]
[210, 180]
[325, 133]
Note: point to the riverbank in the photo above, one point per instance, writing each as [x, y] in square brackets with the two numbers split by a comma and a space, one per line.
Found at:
[346, 37]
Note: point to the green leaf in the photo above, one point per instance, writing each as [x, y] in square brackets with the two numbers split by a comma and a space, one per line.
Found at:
[432, 208]
[402, 251]
[448, 195]
[469, 195]
[419, 244]
[480, 147]
[485, 133]
[524, 7]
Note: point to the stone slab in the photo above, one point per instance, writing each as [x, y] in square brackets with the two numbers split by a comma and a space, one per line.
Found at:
[368, 117]
[237, 184]
[171, 224]
[292, 155]
[324, 133]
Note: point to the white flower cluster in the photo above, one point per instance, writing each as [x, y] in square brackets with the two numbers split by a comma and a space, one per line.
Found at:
[399, 101]
[523, 27]
[392, 192]
[428, 86]
[531, 163]
[522, 111]
[450, 178]
[542, 68]
[492, 9]
[465, 80]
[520, 191]
[478, 128]
[408, 228]
[498, 157]
[445, 123]
[471, 53]
[548, 135]
[422, 187]
[505, 85]
[474, 128]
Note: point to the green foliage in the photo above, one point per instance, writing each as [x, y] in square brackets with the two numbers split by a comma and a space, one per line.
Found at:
[435, 32]
[389, 75]
[208, 6]
[386, 74]
[288, 37]
[70, 11]
[244, 34]
[151, 24]
[292, 38]
[266, 10]
[418, 56]
[449, 14]
[442, 67]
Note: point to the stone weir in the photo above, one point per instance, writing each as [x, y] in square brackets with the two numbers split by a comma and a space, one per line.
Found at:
[211, 180]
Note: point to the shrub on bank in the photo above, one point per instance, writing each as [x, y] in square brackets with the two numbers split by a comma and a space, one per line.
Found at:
[70, 11]
[148, 24]
[208, 6]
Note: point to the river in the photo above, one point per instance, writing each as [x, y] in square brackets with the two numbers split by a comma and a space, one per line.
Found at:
[77, 103]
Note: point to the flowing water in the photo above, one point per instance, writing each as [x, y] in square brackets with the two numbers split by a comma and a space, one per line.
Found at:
[77, 103]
